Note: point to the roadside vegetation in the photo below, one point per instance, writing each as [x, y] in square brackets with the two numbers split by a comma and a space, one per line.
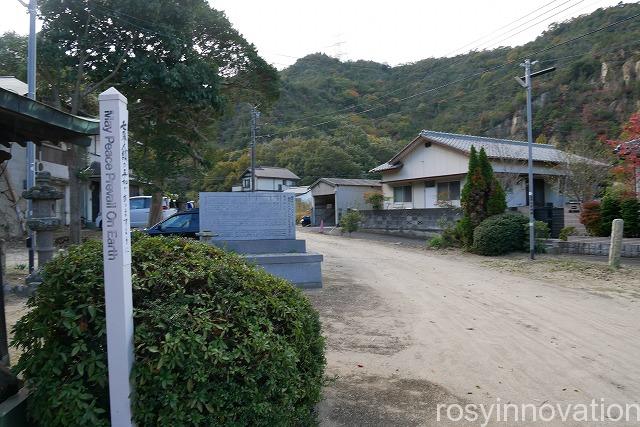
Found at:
[217, 342]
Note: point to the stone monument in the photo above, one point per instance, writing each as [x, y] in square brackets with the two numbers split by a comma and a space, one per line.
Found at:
[44, 220]
[261, 227]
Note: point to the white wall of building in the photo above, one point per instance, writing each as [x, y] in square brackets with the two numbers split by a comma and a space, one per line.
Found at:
[442, 164]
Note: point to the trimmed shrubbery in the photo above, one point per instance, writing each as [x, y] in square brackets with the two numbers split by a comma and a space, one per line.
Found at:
[217, 342]
[500, 234]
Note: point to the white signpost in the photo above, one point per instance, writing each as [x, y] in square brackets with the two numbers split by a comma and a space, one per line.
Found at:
[116, 244]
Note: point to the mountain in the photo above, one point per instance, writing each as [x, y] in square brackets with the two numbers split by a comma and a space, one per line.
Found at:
[364, 110]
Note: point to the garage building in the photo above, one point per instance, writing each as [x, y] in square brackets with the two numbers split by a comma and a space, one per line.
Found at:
[332, 197]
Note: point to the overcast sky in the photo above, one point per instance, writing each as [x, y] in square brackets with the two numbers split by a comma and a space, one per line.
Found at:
[391, 32]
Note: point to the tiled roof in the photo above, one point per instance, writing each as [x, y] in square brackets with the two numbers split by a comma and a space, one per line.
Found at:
[497, 148]
[273, 172]
[494, 147]
[352, 181]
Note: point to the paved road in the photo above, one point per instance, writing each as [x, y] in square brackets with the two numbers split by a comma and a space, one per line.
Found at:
[407, 330]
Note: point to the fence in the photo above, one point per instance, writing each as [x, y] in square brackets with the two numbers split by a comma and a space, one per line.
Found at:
[409, 222]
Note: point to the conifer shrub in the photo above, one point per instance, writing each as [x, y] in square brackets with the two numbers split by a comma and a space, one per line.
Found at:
[482, 195]
[217, 341]
[500, 234]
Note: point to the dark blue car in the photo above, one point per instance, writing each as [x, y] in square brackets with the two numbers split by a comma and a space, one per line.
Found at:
[183, 224]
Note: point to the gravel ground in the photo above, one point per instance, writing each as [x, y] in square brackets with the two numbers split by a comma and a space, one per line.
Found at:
[408, 329]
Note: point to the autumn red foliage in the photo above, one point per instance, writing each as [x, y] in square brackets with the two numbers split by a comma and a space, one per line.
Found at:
[628, 151]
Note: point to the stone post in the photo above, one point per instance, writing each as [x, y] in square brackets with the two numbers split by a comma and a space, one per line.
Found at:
[616, 243]
[44, 221]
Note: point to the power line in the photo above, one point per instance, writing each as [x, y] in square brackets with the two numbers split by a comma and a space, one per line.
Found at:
[388, 94]
[469, 76]
[501, 28]
[490, 41]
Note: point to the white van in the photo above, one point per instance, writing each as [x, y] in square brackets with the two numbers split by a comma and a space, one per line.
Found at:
[139, 208]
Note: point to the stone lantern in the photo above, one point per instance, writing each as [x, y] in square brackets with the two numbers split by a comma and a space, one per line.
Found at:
[43, 221]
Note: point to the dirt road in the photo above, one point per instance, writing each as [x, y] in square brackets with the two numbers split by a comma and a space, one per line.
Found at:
[407, 329]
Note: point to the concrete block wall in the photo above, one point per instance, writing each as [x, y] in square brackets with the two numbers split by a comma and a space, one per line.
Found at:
[629, 250]
[410, 222]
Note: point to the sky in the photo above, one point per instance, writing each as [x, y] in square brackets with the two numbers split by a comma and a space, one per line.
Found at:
[391, 32]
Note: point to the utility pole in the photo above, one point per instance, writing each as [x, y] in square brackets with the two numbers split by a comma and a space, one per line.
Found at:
[532, 230]
[526, 83]
[254, 119]
[31, 148]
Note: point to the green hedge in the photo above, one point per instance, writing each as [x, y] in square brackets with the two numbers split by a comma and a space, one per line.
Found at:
[217, 342]
[500, 234]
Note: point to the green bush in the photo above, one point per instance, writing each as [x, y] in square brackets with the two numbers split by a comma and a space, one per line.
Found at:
[449, 237]
[500, 234]
[629, 213]
[375, 199]
[610, 210]
[542, 232]
[350, 221]
[566, 232]
[217, 342]
[436, 242]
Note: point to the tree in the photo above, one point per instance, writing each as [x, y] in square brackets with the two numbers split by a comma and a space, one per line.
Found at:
[472, 199]
[13, 55]
[175, 61]
[496, 199]
[482, 195]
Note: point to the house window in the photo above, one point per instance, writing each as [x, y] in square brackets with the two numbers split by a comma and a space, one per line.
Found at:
[402, 194]
[448, 191]
[246, 183]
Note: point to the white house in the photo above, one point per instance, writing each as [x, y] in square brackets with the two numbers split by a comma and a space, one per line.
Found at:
[333, 196]
[268, 178]
[430, 171]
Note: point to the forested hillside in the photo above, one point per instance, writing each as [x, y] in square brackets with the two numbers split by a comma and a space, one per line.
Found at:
[338, 118]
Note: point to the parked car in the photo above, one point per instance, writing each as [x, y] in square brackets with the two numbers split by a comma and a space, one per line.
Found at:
[139, 208]
[183, 224]
[305, 221]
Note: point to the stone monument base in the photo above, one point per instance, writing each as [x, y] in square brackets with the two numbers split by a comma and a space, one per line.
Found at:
[263, 246]
[303, 270]
[285, 258]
